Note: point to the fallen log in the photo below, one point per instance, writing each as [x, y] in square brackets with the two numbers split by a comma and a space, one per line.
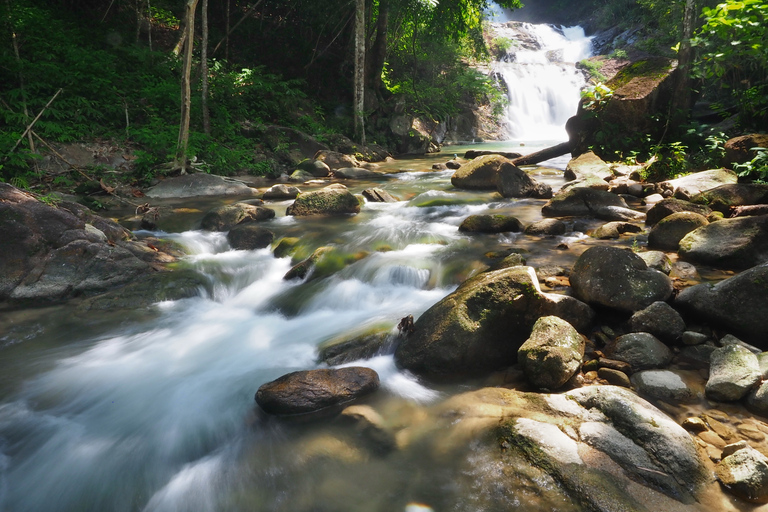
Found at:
[474, 153]
[544, 154]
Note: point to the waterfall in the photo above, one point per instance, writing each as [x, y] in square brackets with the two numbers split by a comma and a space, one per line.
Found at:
[541, 81]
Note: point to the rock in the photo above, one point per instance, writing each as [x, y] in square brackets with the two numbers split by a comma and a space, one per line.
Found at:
[614, 377]
[691, 338]
[684, 270]
[514, 182]
[580, 201]
[671, 205]
[49, 254]
[281, 191]
[453, 164]
[669, 385]
[354, 173]
[335, 160]
[739, 303]
[653, 199]
[377, 195]
[285, 247]
[659, 319]
[733, 371]
[745, 474]
[757, 399]
[309, 391]
[730, 243]
[317, 168]
[224, 218]
[299, 176]
[480, 326]
[698, 182]
[666, 235]
[491, 224]
[546, 227]
[199, 184]
[738, 150]
[587, 164]
[613, 230]
[248, 236]
[302, 269]
[618, 213]
[657, 260]
[552, 354]
[345, 349]
[618, 279]
[480, 173]
[725, 197]
[370, 427]
[331, 200]
[641, 350]
[590, 181]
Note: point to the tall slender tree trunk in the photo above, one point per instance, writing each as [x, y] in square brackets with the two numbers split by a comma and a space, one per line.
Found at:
[22, 88]
[681, 99]
[378, 51]
[204, 70]
[359, 96]
[149, 26]
[186, 92]
[226, 38]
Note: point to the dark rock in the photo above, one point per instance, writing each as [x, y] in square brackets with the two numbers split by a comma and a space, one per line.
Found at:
[668, 385]
[331, 200]
[354, 173]
[309, 391]
[472, 154]
[302, 269]
[738, 150]
[335, 160]
[659, 319]
[453, 164]
[285, 247]
[618, 279]
[725, 197]
[346, 349]
[546, 227]
[731, 243]
[641, 350]
[377, 195]
[514, 182]
[580, 201]
[552, 354]
[224, 218]
[671, 205]
[248, 236]
[668, 232]
[491, 224]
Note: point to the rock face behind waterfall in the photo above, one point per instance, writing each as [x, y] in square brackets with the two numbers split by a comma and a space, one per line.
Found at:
[480, 327]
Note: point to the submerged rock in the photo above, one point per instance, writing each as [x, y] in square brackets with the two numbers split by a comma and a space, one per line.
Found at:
[309, 391]
[334, 199]
[249, 236]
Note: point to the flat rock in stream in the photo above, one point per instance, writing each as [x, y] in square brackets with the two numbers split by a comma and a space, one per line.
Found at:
[199, 184]
[312, 390]
[726, 197]
[729, 243]
[698, 182]
[580, 201]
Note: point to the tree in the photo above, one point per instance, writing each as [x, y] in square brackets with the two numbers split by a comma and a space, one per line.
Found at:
[682, 97]
[180, 161]
[359, 96]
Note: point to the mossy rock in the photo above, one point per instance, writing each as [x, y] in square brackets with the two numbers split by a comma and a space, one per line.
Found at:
[491, 224]
[286, 247]
[332, 200]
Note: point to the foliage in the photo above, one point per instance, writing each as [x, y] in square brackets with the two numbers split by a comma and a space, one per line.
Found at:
[593, 67]
[596, 96]
[757, 168]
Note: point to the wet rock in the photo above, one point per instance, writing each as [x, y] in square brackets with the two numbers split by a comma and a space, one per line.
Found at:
[641, 350]
[354, 173]
[659, 319]
[302, 269]
[248, 236]
[587, 164]
[224, 218]
[738, 303]
[514, 182]
[725, 197]
[730, 243]
[491, 224]
[733, 372]
[281, 191]
[552, 354]
[453, 164]
[480, 173]
[317, 168]
[480, 326]
[657, 260]
[745, 474]
[377, 195]
[618, 279]
[346, 349]
[370, 426]
[546, 227]
[332, 200]
[580, 201]
[309, 391]
[668, 232]
[199, 184]
[619, 214]
[668, 385]
[614, 230]
[590, 181]
[286, 246]
[698, 355]
[472, 154]
[614, 377]
[698, 182]
[684, 270]
[671, 205]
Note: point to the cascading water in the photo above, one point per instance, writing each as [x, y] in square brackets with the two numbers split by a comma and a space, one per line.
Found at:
[543, 85]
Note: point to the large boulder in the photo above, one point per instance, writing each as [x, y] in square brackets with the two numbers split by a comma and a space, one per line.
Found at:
[552, 354]
[491, 224]
[731, 243]
[738, 150]
[739, 303]
[666, 235]
[480, 173]
[671, 205]
[224, 218]
[354, 173]
[199, 184]
[249, 236]
[698, 182]
[309, 391]
[514, 182]
[335, 160]
[317, 168]
[725, 197]
[334, 199]
[733, 371]
[618, 279]
[585, 165]
[281, 191]
[479, 327]
[580, 201]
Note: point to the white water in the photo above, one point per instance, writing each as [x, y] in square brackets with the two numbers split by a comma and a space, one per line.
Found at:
[543, 85]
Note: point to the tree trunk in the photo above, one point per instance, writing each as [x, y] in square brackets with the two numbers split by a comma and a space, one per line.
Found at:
[204, 71]
[544, 154]
[149, 27]
[359, 96]
[21, 74]
[186, 93]
[378, 53]
[681, 99]
[226, 37]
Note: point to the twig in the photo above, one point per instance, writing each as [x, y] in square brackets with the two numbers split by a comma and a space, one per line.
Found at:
[33, 122]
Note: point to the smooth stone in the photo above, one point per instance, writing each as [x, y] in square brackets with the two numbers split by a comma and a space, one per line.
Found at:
[552, 354]
[546, 227]
[224, 218]
[491, 224]
[733, 371]
[659, 319]
[641, 350]
[668, 385]
[199, 184]
[668, 232]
